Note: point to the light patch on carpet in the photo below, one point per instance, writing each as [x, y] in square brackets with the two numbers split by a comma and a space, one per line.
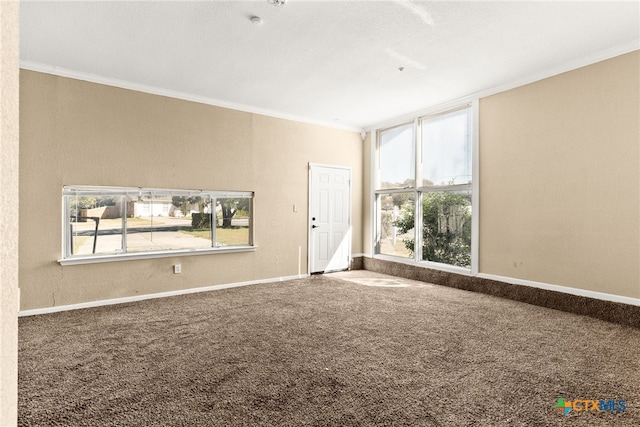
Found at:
[385, 283]
[379, 280]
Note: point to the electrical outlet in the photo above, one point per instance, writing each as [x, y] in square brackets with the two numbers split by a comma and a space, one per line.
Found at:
[177, 268]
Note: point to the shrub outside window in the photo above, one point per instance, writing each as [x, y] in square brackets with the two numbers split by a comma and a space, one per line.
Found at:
[397, 231]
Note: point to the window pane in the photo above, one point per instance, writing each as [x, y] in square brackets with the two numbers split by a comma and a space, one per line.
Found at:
[95, 224]
[158, 222]
[397, 157]
[106, 221]
[233, 221]
[396, 225]
[446, 149]
[446, 227]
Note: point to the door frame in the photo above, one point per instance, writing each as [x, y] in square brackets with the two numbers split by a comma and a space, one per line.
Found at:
[309, 197]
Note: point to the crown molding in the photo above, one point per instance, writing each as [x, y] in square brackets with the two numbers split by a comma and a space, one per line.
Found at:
[530, 78]
[538, 75]
[123, 84]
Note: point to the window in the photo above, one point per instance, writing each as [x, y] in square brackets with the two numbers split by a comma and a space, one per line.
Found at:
[396, 156]
[446, 149]
[446, 227]
[112, 223]
[396, 224]
[430, 221]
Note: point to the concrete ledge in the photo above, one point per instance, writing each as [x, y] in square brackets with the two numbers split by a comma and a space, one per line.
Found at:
[624, 314]
[357, 263]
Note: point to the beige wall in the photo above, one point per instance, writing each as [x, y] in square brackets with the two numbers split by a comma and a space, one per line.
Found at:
[559, 176]
[559, 179]
[75, 132]
[9, 213]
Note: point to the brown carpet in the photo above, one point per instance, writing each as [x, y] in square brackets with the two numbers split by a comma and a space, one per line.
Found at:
[346, 349]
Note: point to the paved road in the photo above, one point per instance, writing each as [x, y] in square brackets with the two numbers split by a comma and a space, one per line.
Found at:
[141, 235]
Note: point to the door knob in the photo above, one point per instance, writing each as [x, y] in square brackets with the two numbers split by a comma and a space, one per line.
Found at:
[314, 226]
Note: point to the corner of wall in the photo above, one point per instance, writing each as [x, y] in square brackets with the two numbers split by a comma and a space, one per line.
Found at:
[9, 143]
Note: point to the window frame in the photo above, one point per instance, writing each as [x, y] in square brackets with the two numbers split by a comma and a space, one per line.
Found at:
[69, 191]
[378, 203]
[419, 191]
[380, 135]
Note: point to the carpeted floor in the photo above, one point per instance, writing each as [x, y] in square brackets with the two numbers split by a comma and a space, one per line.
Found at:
[345, 349]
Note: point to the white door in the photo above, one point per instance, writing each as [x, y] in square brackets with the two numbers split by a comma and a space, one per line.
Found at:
[329, 218]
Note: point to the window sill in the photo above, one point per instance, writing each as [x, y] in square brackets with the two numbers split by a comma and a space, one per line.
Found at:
[92, 259]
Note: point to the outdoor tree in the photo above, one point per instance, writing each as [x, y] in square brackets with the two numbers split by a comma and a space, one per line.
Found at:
[90, 202]
[407, 183]
[446, 227]
[85, 202]
[230, 207]
[199, 220]
[228, 210]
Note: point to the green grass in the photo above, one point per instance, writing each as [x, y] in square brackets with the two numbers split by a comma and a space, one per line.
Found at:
[203, 233]
[224, 236]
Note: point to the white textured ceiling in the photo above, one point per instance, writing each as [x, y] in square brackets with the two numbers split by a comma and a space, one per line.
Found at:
[331, 62]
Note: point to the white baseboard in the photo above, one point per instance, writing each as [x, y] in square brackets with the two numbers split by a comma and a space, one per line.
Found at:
[564, 289]
[540, 285]
[522, 282]
[100, 303]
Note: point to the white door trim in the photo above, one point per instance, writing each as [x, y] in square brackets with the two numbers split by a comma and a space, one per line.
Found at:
[310, 241]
